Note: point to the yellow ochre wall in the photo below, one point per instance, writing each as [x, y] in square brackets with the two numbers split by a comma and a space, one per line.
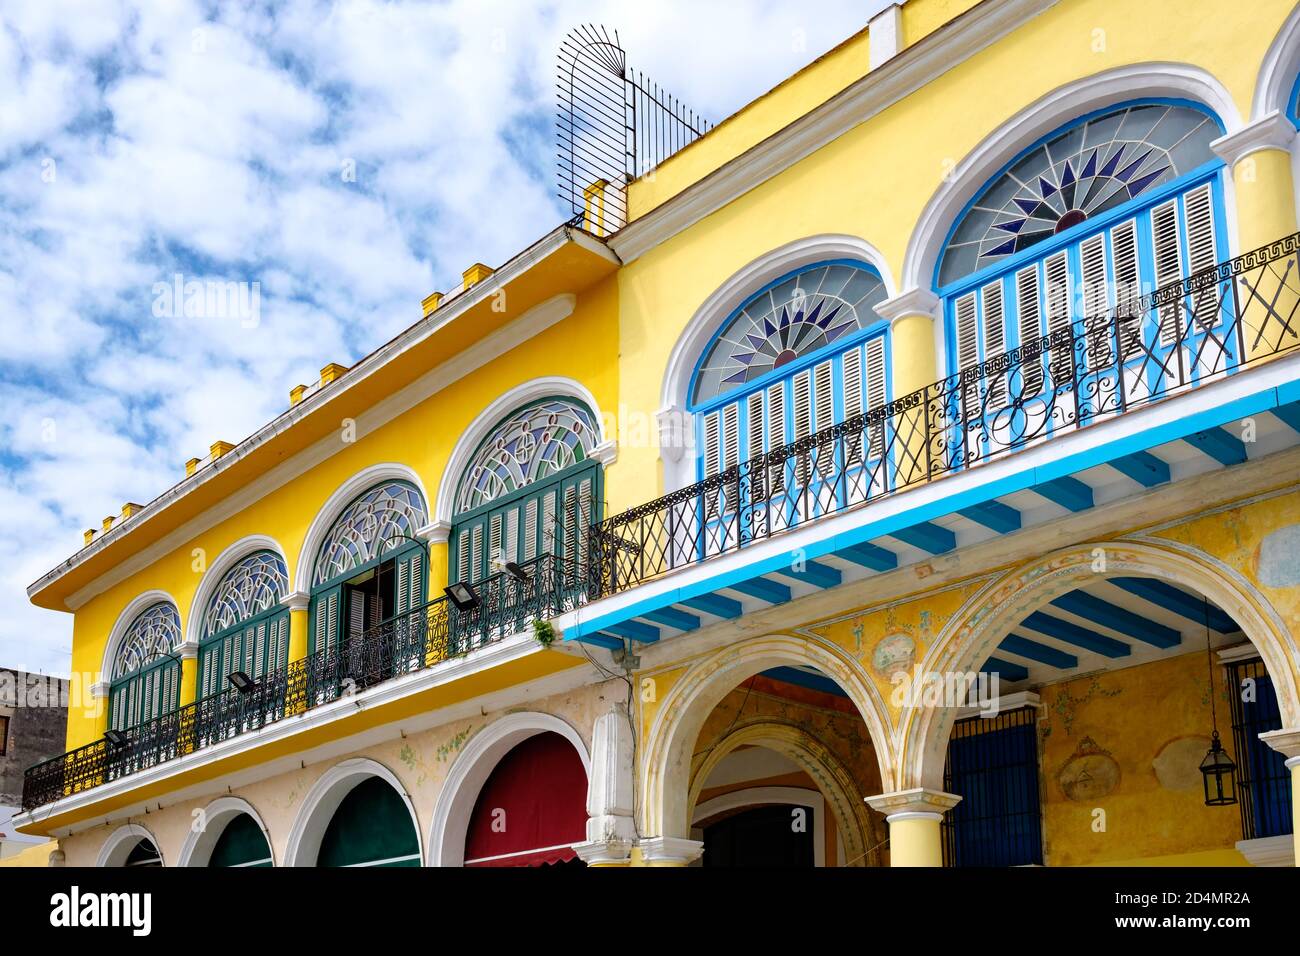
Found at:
[1143, 731]
[875, 181]
[422, 439]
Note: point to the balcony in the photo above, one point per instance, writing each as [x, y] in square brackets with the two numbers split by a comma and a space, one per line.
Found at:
[416, 640]
[1103, 393]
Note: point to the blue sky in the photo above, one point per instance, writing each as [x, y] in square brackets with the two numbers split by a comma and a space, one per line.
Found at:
[138, 141]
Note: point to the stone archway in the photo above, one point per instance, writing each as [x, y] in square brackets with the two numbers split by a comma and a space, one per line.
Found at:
[666, 771]
[843, 797]
[975, 630]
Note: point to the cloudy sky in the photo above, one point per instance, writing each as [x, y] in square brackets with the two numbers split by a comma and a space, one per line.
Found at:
[139, 141]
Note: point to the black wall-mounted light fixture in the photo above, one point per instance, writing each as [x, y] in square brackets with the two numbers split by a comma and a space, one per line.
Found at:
[241, 682]
[463, 595]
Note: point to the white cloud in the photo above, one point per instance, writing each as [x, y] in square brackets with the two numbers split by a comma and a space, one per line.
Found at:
[142, 140]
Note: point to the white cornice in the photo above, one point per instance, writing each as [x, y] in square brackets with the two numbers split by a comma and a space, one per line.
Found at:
[529, 324]
[1273, 131]
[364, 369]
[297, 601]
[897, 78]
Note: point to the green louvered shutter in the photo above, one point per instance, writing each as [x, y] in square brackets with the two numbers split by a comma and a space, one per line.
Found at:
[326, 618]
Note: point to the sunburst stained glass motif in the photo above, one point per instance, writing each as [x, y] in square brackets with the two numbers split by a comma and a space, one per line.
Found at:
[372, 525]
[797, 316]
[1075, 176]
[257, 583]
[533, 443]
[155, 632]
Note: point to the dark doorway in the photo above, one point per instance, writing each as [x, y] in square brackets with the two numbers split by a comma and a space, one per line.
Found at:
[773, 836]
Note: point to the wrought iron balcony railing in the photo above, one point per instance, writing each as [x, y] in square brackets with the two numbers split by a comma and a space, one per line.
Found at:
[1146, 349]
[408, 642]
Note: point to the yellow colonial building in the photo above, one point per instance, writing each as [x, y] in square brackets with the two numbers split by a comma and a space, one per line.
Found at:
[903, 471]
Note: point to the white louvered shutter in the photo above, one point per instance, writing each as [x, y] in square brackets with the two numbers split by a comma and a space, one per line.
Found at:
[852, 368]
[1124, 262]
[1168, 263]
[824, 413]
[802, 417]
[968, 355]
[754, 449]
[776, 435]
[1201, 251]
[712, 454]
[530, 529]
[1030, 325]
[995, 340]
[1057, 272]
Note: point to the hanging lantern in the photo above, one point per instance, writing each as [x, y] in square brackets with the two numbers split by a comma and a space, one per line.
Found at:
[1217, 771]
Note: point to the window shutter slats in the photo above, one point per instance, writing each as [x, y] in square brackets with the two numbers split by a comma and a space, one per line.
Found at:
[876, 393]
[1168, 265]
[995, 340]
[852, 371]
[1124, 262]
[1030, 327]
[776, 435]
[1201, 251]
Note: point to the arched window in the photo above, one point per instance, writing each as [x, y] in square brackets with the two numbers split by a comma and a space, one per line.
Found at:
[1115, 204]
[370, 566]
[802, 354]
[245, 627]
[146, 675]
[532, 488]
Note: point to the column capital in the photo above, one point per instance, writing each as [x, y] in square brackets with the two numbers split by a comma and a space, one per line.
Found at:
[914, 301]
[297, 601]
[918, 803]
[188, 651]
[671, 850]
[1286, 742]
[1271, 131]
[435, 532]
[99, 690]
[604, 852]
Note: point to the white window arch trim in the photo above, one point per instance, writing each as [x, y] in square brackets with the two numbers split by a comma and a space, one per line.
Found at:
[462, 456]
[343, 496]
[676, 424]
[216, 573]
[126, 618]
[1047, 114]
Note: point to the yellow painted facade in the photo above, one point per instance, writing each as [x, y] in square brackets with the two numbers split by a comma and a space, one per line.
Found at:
[847, 154]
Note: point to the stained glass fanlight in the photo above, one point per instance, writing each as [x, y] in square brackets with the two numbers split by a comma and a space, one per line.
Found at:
[534, 443]
[383, 519]
[1076, 175]
[257, 583]
[801, 314]
[155, 633]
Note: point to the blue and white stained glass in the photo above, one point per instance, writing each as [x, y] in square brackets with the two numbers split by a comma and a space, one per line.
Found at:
[155, 633]
[383, 519]
[534, 443]
[257, 583]
[1076, 175]
[797, 316]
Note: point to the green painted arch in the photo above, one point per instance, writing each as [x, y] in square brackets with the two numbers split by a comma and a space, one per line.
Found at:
[371, 827]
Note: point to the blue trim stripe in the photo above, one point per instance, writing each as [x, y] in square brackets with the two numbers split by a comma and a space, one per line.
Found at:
[1178, 601]
[1034, 651]
[993, 515]
[1223, 447]
[763, 589]
[801, 678]
[1074, 634]
[1005, 669]
[719, 605]
[672, 617]
[820, 575]
[928, 537]
[1144, 468]
[1104, 614]
[1068, 492]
